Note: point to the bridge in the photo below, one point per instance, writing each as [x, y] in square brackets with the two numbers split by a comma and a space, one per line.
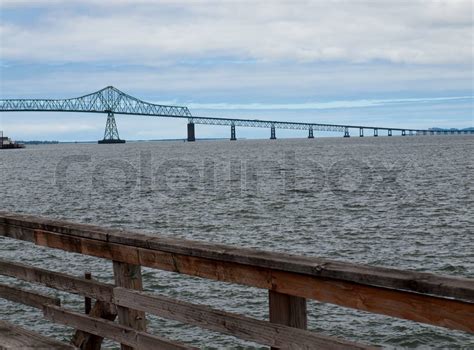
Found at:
[112, 101]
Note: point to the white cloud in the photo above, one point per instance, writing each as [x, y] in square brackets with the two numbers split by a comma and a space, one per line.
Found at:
[321, 105]
[151, 32]
[240, 84]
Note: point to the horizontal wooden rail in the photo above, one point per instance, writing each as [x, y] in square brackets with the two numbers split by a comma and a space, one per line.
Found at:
[111, 330]
[13, 337]
[421, 297]
[57, 280]
[26, 297]
[262, 332]
[23, 227]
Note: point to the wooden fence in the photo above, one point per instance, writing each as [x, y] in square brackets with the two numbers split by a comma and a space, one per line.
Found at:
[291, 280]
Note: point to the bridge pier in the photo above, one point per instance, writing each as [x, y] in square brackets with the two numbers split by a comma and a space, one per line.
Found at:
[404, 133]
[272, 133]
[361, 132]
[111, 134]
[310, 133]
[389, 132]
[232, 133]
[376, 132]
[191, 132]
[346, 132]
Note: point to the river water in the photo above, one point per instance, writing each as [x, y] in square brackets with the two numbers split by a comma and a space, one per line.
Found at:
[403, 202]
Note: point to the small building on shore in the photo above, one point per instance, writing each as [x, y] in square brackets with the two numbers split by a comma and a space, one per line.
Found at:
[7, 143]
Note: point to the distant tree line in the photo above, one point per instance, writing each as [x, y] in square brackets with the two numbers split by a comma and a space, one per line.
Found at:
[449, 129]
[34, 142]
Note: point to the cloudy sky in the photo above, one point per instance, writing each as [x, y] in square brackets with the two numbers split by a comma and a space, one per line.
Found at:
[391, 63]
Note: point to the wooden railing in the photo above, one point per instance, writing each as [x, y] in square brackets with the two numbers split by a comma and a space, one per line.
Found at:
[422, 297]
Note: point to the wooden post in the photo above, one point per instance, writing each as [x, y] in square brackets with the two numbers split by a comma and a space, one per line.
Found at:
[287, 310]
[88, 341]
[87, 300]
[129, 276]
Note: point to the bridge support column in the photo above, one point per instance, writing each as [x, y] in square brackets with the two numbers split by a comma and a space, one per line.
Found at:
[361, 132]
[404, 133]
[389, 132]
[232, 133]
[424, 132]
[272, 133]
[111, 134]
[310, 133]
[376, 132]
[191, 132]
[346, 132]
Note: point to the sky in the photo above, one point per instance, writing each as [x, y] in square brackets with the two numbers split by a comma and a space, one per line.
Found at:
[387, 63]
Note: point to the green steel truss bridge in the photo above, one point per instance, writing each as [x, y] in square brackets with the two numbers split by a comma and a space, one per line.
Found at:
[112, 101]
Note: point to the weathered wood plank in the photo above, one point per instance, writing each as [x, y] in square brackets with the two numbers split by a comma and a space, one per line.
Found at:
[129, 276]
[443, 286]
[15, 338]
[110, 330]
[26, 297]
[199, 315]
[262, 332]
[57, 280]
[411, 306]
[88, 341]
[287, 310]
[17, 232]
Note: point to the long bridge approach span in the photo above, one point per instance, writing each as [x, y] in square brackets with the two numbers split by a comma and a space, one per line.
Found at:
[112, 101]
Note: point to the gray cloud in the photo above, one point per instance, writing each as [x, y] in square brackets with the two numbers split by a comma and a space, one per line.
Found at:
[156, 32]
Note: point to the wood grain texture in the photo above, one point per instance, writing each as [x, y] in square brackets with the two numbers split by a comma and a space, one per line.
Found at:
[110, 330]
[89, 341]
[26, 297]
[22, 227]
[428, 309]
[129, 276]
[16, 338]
[57, 280]
[287, 310]
[259, 331]
[326, 281]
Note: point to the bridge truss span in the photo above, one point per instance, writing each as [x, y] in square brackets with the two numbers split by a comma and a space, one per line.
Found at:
[106, 100]
[257, 123]
[112, 101]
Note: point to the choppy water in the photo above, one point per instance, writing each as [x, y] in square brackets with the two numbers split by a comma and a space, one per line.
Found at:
[404, 202]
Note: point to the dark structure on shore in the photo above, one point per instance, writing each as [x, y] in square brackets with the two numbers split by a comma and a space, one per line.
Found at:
[7, 143]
